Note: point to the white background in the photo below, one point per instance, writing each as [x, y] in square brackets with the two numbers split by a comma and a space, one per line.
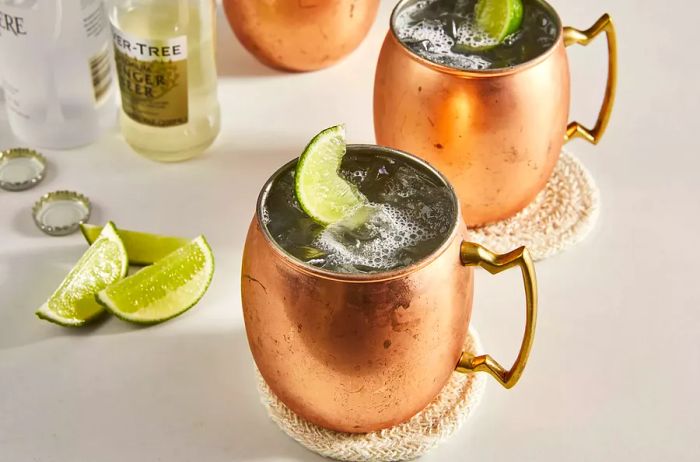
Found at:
[615, 369]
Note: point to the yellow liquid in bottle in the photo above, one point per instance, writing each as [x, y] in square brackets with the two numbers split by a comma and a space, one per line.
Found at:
[160, 20]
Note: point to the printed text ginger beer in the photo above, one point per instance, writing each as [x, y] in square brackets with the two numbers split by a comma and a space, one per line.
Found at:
[164, 50]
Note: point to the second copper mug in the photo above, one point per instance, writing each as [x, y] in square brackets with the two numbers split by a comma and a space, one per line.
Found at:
[361, 352]
[300, 35]
[497, 134]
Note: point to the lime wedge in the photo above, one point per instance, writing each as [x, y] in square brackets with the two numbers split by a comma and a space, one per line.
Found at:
[499, 18]
[322, 193]
[143, 248]
[164, 290]
[105, 262]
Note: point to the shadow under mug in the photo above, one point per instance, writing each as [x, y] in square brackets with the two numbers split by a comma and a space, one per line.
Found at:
[300, 35]
[497, 134]
[361, 352]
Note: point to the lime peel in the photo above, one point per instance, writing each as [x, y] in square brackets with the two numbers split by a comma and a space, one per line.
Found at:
[322, 193]
[164, 290]
[143, 248]
[499, 18]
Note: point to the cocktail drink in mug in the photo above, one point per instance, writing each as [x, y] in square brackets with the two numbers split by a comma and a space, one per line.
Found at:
[408, 216]
[481, 89]
[358, 323]
[449, 33]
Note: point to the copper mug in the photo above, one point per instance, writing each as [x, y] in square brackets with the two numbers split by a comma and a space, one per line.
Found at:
[361, 352]
[300, 35]
[497, 134]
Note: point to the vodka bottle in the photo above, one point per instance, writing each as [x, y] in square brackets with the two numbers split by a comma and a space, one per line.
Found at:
[57, 71]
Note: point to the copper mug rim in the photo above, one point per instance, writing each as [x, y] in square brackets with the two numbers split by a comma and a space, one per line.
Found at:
[478, 73]
[381, 276]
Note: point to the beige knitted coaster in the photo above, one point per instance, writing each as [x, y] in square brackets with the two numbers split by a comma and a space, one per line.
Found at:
[560, 217]
[437, 422]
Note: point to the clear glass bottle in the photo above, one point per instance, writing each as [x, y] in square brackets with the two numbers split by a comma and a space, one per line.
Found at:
[166, 64]
[57, 71]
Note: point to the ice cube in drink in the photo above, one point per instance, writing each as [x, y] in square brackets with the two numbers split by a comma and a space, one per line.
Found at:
[445, 32]
[410, 214]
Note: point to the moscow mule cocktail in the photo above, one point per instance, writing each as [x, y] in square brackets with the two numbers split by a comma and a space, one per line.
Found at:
[447, 32]
[409, 214]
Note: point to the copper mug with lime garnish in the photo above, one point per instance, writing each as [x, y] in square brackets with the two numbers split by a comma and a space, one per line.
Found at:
[482, 90]
[357, 320]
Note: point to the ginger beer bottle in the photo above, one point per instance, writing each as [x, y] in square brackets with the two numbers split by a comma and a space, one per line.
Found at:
[164, 51]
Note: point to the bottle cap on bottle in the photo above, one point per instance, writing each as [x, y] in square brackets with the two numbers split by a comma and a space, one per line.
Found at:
[61, 213]
[21, 169]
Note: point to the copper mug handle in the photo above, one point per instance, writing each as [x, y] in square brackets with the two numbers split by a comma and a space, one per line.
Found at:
[584, 37]
[475, 255]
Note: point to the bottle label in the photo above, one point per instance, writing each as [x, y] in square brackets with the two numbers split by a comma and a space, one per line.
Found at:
[95, 23]
[17, 28]
[153, 78]
[55, 55]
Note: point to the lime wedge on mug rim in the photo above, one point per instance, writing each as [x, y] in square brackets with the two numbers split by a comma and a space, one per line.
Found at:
[73, 303]
[165, 289]
[322, 193]
[499, 18]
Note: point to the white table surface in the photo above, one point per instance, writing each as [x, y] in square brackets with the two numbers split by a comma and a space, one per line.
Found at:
[615, 369]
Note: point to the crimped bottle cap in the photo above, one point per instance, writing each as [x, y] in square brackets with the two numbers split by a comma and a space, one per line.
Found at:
[61, 213]
[21, 169]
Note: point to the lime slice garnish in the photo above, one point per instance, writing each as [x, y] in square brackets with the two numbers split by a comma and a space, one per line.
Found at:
[105, 262]
[322, 193]
[499, 18]
[142, 248]
[164, 290]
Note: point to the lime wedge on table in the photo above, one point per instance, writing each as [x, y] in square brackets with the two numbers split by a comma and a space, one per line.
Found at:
[164, 290]
[322, 193]
[105, 262]
[499, 18]
[143, 248]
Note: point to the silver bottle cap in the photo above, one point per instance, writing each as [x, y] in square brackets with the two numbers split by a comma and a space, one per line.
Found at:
[61, 212]
[21, 169]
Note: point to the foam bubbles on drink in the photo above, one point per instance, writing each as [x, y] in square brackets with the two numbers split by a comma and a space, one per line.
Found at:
[409, 215]
[435, 38]
[381, 243]
[265, 215]
[445, 32]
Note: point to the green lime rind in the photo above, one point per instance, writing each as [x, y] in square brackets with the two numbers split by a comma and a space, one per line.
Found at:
[73, 303]
[143, 248]
[468, 49]
[164, 290]
[322, 193]
[499, 18]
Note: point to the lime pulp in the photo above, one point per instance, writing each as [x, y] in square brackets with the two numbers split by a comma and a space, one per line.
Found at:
[499, 18]
[322, 193]
[143, 248]
[73, 303]
[164, 290]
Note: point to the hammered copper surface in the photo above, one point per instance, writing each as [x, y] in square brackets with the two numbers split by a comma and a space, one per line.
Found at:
[496, 135]
[352, 355]
[300, 35]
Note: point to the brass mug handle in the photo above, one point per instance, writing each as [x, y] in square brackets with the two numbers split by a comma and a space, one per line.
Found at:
[584, 37]
[475, 255]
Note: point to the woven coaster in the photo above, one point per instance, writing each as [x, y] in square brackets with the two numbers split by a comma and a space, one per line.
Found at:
[560, 217]
[437, 422]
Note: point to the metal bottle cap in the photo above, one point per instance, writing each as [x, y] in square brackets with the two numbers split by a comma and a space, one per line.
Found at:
[21, 169]
[61, 212]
